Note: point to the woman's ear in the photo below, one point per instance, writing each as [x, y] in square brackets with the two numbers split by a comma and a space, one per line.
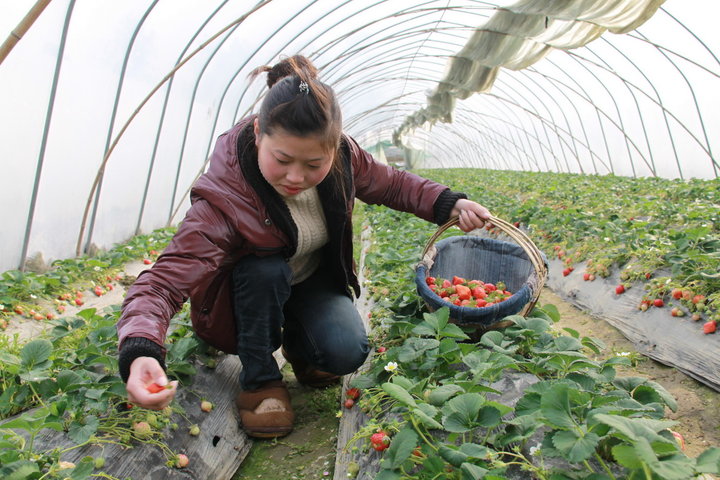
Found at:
[256, 130]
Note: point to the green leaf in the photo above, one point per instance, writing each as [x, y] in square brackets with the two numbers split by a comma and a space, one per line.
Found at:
[19, 470]
[489, 416]
[388, 475]
[552, 311]
[467, 404]
[404, 382]
[35, 376]
[67, 379]
[424, 329]
[363, 382]
[453, 331]
[452, 455]
[636, 428]
[555, 407]
[80, 433]
[400, 449]
[399, 393]
[709, 461]
[35, 353]
[441, 394]
[626, 456]
[83, 469]
[472, 472]
[426, 419]
[646, 394]
[574, 447]
[457, 423]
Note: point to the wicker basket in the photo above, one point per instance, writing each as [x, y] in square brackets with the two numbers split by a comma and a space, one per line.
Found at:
[520, 265]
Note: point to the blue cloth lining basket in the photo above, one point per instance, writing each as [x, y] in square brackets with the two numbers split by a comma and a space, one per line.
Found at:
[520, 265]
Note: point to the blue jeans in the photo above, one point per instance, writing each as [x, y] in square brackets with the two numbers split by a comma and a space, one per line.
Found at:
[314, 320]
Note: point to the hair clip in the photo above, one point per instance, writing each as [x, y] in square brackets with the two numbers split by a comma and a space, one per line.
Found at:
[304, 88]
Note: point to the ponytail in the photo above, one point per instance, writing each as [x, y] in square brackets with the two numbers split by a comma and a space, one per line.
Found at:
[298, 103]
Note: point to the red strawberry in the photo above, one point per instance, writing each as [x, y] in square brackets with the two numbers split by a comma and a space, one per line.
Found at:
[155, 388]
[457, 280]
[697, 299]
[18, 310]
[446, 284]
[380, 441]
[147, 261]
[709, 327]
[79, 301]
[586, 276]
[676, 293]
[430, 281]
[658, 303]
[463, 292]
[620, 289]
[353, 393]
[567, 271]
[349, 403]
[478, 292]
[381, 349]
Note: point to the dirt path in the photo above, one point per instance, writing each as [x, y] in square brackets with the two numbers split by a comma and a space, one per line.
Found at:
[698, 410]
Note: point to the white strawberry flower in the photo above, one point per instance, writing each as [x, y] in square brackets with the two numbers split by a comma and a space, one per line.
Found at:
[391, 367]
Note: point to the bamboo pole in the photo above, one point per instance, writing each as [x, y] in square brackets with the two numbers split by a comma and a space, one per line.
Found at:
[22, 28]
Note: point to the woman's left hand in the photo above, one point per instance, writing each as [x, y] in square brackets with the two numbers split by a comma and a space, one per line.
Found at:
[471, 214]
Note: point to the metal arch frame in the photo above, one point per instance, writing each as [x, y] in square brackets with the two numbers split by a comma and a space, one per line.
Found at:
[147, 98]
[579, 119]
[520, 129]
[587, 97]
[679, 122]
[118, 92]
[659, 99]
[218, 113]
[512, 131]
[542, 146]
[46, 131]
[164, 110]
[569, 134]
[352, 94]
[174, 211]
[697, 108]
[651, 164]
[553, 123]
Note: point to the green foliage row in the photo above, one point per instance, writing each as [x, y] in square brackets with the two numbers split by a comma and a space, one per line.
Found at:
[430, 388]
[18, 288]
[659, 233]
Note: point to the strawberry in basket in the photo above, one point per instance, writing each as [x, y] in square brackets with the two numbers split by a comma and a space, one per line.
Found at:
[468, 293]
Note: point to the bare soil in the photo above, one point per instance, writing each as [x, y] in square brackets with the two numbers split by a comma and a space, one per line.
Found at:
[698, 412]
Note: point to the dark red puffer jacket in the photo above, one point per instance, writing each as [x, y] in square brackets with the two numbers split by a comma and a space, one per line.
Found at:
[235, 212]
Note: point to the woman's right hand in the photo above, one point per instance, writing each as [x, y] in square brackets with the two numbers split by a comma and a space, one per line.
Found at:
[144, 371]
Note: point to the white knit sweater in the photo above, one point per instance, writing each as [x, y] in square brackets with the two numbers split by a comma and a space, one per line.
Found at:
[308, 215]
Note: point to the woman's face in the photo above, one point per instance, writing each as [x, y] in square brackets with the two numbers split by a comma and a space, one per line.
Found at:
[291, 164]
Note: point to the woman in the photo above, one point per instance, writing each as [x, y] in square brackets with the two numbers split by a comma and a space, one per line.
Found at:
[265, 252]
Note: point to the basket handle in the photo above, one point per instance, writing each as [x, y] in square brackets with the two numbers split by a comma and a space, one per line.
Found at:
[519, 237]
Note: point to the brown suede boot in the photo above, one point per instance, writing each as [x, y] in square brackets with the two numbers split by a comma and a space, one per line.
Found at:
[307, 375]
[266, 411]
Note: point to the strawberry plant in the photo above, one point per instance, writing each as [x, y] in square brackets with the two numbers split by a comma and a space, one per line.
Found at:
[434, 404]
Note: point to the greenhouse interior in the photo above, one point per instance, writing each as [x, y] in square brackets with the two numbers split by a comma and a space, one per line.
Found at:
[516, 203]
